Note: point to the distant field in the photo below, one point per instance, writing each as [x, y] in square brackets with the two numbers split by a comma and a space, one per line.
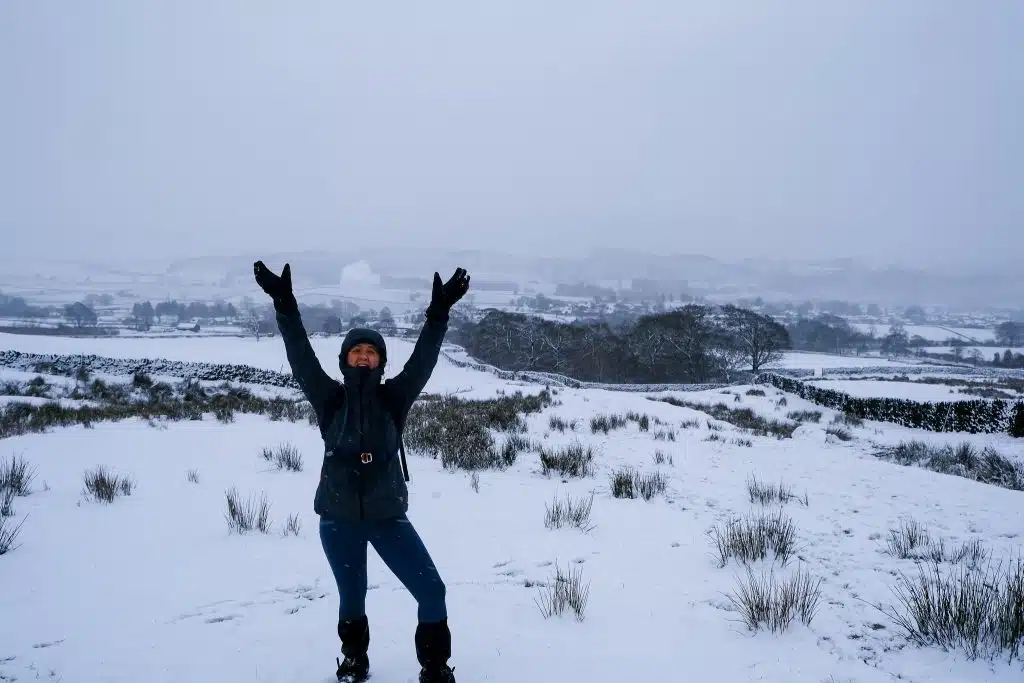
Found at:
[986, 351]
[804, 360]
[933, 332]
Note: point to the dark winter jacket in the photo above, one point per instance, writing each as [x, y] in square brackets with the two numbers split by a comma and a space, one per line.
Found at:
[357, 417]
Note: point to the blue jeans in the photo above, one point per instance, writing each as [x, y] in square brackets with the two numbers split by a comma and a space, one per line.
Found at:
[401, 549]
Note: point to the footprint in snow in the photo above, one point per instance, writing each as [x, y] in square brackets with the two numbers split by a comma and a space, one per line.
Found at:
[221, 619]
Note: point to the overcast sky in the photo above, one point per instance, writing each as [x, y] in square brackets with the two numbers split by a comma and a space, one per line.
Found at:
[798, 129]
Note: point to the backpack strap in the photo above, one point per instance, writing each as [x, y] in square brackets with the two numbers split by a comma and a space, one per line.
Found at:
[399, 426]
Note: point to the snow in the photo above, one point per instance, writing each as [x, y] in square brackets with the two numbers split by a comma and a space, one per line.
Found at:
[809, 360]
[153, 587]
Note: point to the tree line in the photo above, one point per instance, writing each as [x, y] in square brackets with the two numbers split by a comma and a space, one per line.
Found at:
[693, 344]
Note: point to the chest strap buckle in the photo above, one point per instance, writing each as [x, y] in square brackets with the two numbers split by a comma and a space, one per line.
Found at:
[365, 458]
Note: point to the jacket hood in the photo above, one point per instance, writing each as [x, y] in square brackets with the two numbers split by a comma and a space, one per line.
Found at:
[359, 335]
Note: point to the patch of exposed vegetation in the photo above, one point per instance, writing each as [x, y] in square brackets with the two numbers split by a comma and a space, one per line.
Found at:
[143, 398]
[571, 512]
[629, 482]
[985, 465]
[744, 418]
[459, 431]
[104, 486]
[754, 537]
[771, 603]
[574, 460]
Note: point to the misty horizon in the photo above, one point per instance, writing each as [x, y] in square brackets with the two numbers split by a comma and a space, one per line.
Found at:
[854, 130]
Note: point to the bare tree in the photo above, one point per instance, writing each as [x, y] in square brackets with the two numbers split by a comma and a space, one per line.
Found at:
[758, 338]
[1010, 333]
[80, 314]
[254, 323]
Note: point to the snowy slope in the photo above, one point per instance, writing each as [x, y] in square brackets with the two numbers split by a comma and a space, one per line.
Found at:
[153, 587]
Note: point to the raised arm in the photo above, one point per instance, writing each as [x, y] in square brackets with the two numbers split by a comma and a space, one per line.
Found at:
[316, 384]
[406, 386]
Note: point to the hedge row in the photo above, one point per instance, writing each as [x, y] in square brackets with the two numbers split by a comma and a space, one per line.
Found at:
[554, 379]
[981, 415]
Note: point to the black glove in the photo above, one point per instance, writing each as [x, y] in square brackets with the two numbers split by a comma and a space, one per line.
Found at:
[444, 296]
[277, 287]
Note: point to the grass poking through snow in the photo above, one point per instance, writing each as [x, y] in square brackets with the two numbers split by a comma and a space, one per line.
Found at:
[772, 603]
[292, 525]
[7, 502]
[247, 515]
[839, 433]
[753, 538]
[978, 611]
[569, 512]
[912, 541]
[9, 534]
[16, 476]
[104, 486]
[804, 415]
[628, 482]
[565, 592]
[744, 418]
[284, 457]
[986, 465]
[766, 494]
[574, 460]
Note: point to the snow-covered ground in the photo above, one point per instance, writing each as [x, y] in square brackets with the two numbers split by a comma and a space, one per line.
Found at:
[809, 360]
[154, 587]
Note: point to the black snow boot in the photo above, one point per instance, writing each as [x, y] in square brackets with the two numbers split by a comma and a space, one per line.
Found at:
[433, 649]
[355, 641]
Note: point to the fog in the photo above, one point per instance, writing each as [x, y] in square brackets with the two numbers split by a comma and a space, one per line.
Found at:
[887, 131]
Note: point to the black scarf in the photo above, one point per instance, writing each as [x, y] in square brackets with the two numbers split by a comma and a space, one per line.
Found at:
[362, 393]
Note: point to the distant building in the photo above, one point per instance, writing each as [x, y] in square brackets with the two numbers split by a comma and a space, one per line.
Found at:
[359, 273]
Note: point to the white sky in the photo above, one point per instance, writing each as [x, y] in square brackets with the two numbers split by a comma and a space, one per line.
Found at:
[798, 129]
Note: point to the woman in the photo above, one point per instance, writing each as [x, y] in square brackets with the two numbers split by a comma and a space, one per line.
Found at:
[362, 495]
